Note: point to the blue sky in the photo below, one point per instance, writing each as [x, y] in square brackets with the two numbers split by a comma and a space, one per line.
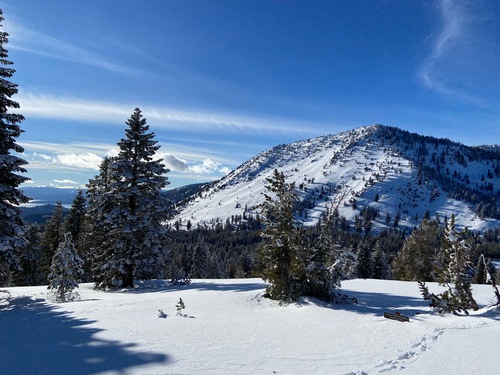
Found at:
[220, 81]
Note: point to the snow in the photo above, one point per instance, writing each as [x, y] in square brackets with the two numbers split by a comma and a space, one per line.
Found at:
[352, 159]
[230, 328]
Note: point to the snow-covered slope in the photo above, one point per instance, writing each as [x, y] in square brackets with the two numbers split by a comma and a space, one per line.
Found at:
[231, 329]
[387, 169]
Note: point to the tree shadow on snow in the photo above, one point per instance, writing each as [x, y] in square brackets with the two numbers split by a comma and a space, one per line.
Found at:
[208, 285]
[38, 339]
[376, 303]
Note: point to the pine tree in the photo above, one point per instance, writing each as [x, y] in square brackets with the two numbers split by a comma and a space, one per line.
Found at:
[65, 270]
[75, 223]
[417, 258]
[453, 274]
[30, 257]
[480, 274]
[180, 306]
[279, 256]
[364, 262]
[132, 210]
[11, 224]
[199, 266]
[52, 236]
[381, 269]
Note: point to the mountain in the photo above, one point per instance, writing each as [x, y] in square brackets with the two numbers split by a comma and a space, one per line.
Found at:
[387, 172]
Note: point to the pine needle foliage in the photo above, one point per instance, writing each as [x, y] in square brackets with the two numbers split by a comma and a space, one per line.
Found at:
[12, 226]
[127, 212]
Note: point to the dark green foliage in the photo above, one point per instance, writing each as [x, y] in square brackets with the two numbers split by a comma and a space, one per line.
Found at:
[417, 258]
[127, 211]
[453, 274]
[52, 236]
[280, 254]
[30, 257]
[76, 224]
[481, 273]
[364, 265]
[11, 223]
[381, 269]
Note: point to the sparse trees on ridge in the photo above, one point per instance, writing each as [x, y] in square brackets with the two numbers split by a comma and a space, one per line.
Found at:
[127, 212]
[11, 223]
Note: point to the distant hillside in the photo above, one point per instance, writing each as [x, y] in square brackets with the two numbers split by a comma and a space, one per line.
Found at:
[389, 173]
[39, 214]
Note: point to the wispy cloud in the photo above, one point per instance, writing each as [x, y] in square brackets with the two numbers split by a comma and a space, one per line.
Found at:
[452, 67]
[74, 109]
[24, 39]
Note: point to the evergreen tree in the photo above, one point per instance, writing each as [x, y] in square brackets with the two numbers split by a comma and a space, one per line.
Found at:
[453, 274]
[279, 256]
[381, 269]
[52, 236]
[75, 223]
[75, 219]
[11, 224]
[417, 259]
[199, 266]
[132, 212]
[364, 265]
[65, 270]
[30, 257]
[480, 274]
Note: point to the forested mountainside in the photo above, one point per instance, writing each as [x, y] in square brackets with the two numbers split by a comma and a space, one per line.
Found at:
[394, 176]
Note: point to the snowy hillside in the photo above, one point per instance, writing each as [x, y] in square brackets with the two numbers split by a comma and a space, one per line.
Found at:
[231, 329]
[389, 170]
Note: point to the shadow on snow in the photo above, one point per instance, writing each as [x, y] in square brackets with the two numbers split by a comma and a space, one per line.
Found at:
[37, 338]
[208, 285]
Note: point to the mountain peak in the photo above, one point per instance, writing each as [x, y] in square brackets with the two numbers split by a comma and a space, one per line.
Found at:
[387, 170]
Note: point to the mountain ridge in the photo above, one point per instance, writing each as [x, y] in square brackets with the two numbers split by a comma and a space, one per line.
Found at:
[391, 171]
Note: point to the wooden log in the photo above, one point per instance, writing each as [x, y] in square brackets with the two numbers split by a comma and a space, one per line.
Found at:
[396, 316]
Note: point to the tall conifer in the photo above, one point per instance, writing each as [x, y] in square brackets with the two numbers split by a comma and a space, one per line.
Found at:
[11, 223]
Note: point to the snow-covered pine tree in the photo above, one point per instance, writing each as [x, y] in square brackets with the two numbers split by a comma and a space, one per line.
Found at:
[480, 274]
[279, 255]
[132, 211]
[52, 236]
[75, 223]
[453, 274]
[11, 224]
[65, 270]
[323, 281]
[180, 306]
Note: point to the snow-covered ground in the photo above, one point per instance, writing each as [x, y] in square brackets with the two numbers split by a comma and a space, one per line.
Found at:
[231, 329]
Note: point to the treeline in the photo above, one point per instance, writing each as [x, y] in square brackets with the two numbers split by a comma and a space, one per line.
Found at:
[442, 160]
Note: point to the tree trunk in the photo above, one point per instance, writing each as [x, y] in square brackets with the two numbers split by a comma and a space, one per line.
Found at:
[128, 277]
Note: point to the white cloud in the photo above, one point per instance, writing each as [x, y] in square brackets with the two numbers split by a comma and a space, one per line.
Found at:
[209, 167]
[83, 161]
[66, 182]
[48, 106]
[172, 162]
